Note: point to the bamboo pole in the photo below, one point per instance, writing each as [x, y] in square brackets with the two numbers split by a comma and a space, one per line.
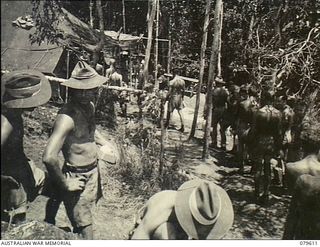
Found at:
[127, 89]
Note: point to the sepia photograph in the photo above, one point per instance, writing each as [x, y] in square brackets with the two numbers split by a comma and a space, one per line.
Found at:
[160, 120]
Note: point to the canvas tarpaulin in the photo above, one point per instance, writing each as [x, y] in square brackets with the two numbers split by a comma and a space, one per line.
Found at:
[17, 52]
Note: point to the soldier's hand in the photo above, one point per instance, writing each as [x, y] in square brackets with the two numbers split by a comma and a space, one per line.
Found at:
[75, 184]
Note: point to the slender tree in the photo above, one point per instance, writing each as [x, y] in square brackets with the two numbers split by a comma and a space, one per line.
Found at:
[202, 65]
[91, 13]
[157, 46]
[151, 16]
[124, 16]
[212, 74]
[97, 50]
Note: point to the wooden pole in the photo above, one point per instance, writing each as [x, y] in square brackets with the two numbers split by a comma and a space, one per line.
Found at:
[127, 89]
[156, 86]
[169, 56]
[212, 74]
[68, 65]
[202, 65]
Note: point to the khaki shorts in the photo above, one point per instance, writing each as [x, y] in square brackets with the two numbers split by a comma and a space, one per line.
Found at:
[175, 102]
[79, 204]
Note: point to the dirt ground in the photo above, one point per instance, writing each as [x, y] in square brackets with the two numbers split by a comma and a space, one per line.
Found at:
[115, 213]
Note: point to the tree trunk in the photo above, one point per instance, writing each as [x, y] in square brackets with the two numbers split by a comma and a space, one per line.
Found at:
[124, 16]
[202, 65]
[97, 50]
[156, 86]
[91, 13]
[151, 16]
[212, 74]
[219, 52]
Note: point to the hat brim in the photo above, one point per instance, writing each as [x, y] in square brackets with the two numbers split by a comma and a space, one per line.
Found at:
[89, 83]
[38, 99]
[190, 225]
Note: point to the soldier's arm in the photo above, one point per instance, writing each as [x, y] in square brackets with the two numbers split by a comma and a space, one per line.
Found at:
[158, 209]
[6, 130]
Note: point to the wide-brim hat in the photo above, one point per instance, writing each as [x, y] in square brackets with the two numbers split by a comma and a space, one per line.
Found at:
[25, 89]
[219, 79]
[84, 77]
[203, 209]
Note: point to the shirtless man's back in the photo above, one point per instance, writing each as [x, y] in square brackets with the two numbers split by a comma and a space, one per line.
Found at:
[265, 138]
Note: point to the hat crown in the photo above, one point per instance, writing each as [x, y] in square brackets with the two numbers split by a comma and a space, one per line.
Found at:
[20, 87]
[205, 204]
[24, 89]
[83, 73]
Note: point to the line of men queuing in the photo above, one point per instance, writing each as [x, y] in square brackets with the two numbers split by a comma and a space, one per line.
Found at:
[264, 132]
[197, 210]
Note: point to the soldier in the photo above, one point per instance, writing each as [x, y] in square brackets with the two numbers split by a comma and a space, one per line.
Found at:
[247, 107]
[264, 143]
[175, 97]
[115, 79]
[21, 180]
[304, 215]
[197, 210]
[219, 103]
[75, 134]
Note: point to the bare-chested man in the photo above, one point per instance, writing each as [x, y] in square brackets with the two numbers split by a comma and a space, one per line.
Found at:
[197, 210]
[21, 180]
[75, 135]
[115, 79]
[175, 97]
[111, 69]
[219, 103]
[265, 140]
[303, 220]
[247, 107]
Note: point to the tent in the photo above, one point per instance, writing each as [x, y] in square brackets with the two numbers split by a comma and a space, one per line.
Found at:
[59, 59]
[17, 52]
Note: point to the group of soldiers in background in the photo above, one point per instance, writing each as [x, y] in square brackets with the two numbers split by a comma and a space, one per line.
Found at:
[264, 126]
[268, 137]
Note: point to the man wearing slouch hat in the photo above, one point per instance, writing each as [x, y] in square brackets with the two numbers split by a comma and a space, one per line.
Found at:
[76, 136]
[21, 179]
